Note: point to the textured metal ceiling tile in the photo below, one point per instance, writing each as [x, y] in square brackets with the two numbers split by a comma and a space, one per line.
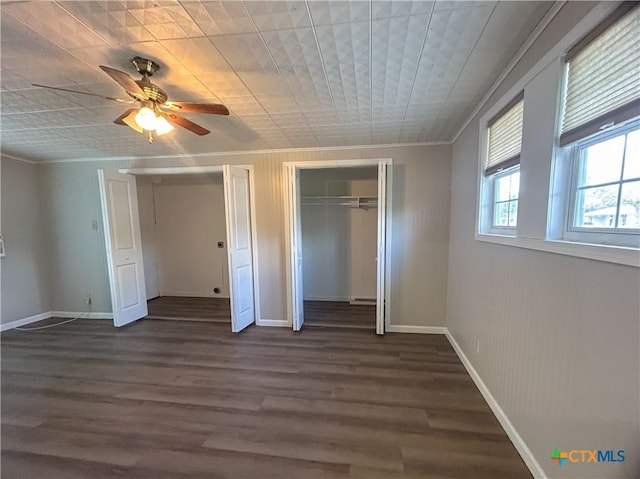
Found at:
[293, 47]
[305, 74]
[400, 8]
[110, 20]
[221, 18]
[54, 23]
[278, 15]
[332, 12]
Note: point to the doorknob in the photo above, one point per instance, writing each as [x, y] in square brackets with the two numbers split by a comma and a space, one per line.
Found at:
[126, 258]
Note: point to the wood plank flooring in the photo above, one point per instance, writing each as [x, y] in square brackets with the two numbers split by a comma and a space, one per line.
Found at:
[190, 309]
[339, 315]
[167, 399]
[317, 313]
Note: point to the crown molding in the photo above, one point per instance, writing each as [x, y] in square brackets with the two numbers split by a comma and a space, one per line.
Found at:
[544, 23]
[215, 154]
[17, 158]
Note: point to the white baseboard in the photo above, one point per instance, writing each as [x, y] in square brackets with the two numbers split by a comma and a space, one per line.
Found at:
[53, 314]
[85, 314]
[281, 323]
[24, 321]
[363, 301]
[193, 294]
[338, 299]
[521, 446]
[397, 328]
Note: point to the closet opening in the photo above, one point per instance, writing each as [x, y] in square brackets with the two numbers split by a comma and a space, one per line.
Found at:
[184, 245]
[338, 219]
[181, 244]
[339, 235]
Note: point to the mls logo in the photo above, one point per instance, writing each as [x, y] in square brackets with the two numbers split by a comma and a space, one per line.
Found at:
[559, 457]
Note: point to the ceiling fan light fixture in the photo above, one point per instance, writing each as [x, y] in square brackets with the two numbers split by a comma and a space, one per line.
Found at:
[150, 115]
[162, 126]
[146, 118]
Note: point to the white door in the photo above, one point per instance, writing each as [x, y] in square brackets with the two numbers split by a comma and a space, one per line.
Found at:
[146, 209]
[382, 250]
[124, 247]
[238, 213]
[296, 248]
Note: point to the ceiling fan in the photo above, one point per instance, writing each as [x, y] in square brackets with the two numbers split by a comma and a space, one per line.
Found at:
[154, 113]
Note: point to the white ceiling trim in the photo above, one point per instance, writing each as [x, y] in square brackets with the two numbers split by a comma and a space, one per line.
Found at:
[172, 170]
[546, 20]
[17, 158]
[235, 153]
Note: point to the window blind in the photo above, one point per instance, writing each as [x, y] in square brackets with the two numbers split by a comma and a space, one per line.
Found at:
[505, 137]
[603, 76]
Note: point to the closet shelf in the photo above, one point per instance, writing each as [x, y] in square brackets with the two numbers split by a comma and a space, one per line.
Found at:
[350, 201]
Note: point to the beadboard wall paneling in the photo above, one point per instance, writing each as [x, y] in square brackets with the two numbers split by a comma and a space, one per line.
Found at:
[24, 268]
[418, 269]
[559, 335]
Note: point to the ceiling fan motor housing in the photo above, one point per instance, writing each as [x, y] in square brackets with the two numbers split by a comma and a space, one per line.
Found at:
[145, 66]
[153, 92]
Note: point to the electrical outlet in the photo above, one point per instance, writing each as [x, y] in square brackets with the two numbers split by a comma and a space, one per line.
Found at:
[476, 344]
[88, 299]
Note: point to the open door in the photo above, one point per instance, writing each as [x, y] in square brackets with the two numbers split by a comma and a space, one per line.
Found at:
[382, 247]
[295, 231]
[238, 213]
[124, 247]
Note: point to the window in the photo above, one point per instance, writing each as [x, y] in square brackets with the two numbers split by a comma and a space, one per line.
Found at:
[602, 98]
[607, 182]
[501, 182]
[576, 156]
[506, 187]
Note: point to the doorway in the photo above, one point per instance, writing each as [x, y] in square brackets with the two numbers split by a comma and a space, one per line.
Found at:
[184, 245]
[339, 237]
[125, 248]
[338, 221]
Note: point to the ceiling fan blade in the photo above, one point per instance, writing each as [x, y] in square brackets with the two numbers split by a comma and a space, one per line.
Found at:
[84, 93]
[184, 123]
[210, 108]
[128, 119]
[126, 82]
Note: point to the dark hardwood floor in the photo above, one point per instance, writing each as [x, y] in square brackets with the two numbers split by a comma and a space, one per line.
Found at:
[168, 399]
[190, 309]
[317, 313]
[339, 315]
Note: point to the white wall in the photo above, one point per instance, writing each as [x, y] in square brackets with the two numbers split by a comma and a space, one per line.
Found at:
[420, 228]
[25, 285]
[339, 242]
[326, 255]
[190, 221]
[559, 335]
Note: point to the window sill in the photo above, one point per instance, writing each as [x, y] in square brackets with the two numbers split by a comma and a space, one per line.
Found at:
[502, 232]
[608, 254]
